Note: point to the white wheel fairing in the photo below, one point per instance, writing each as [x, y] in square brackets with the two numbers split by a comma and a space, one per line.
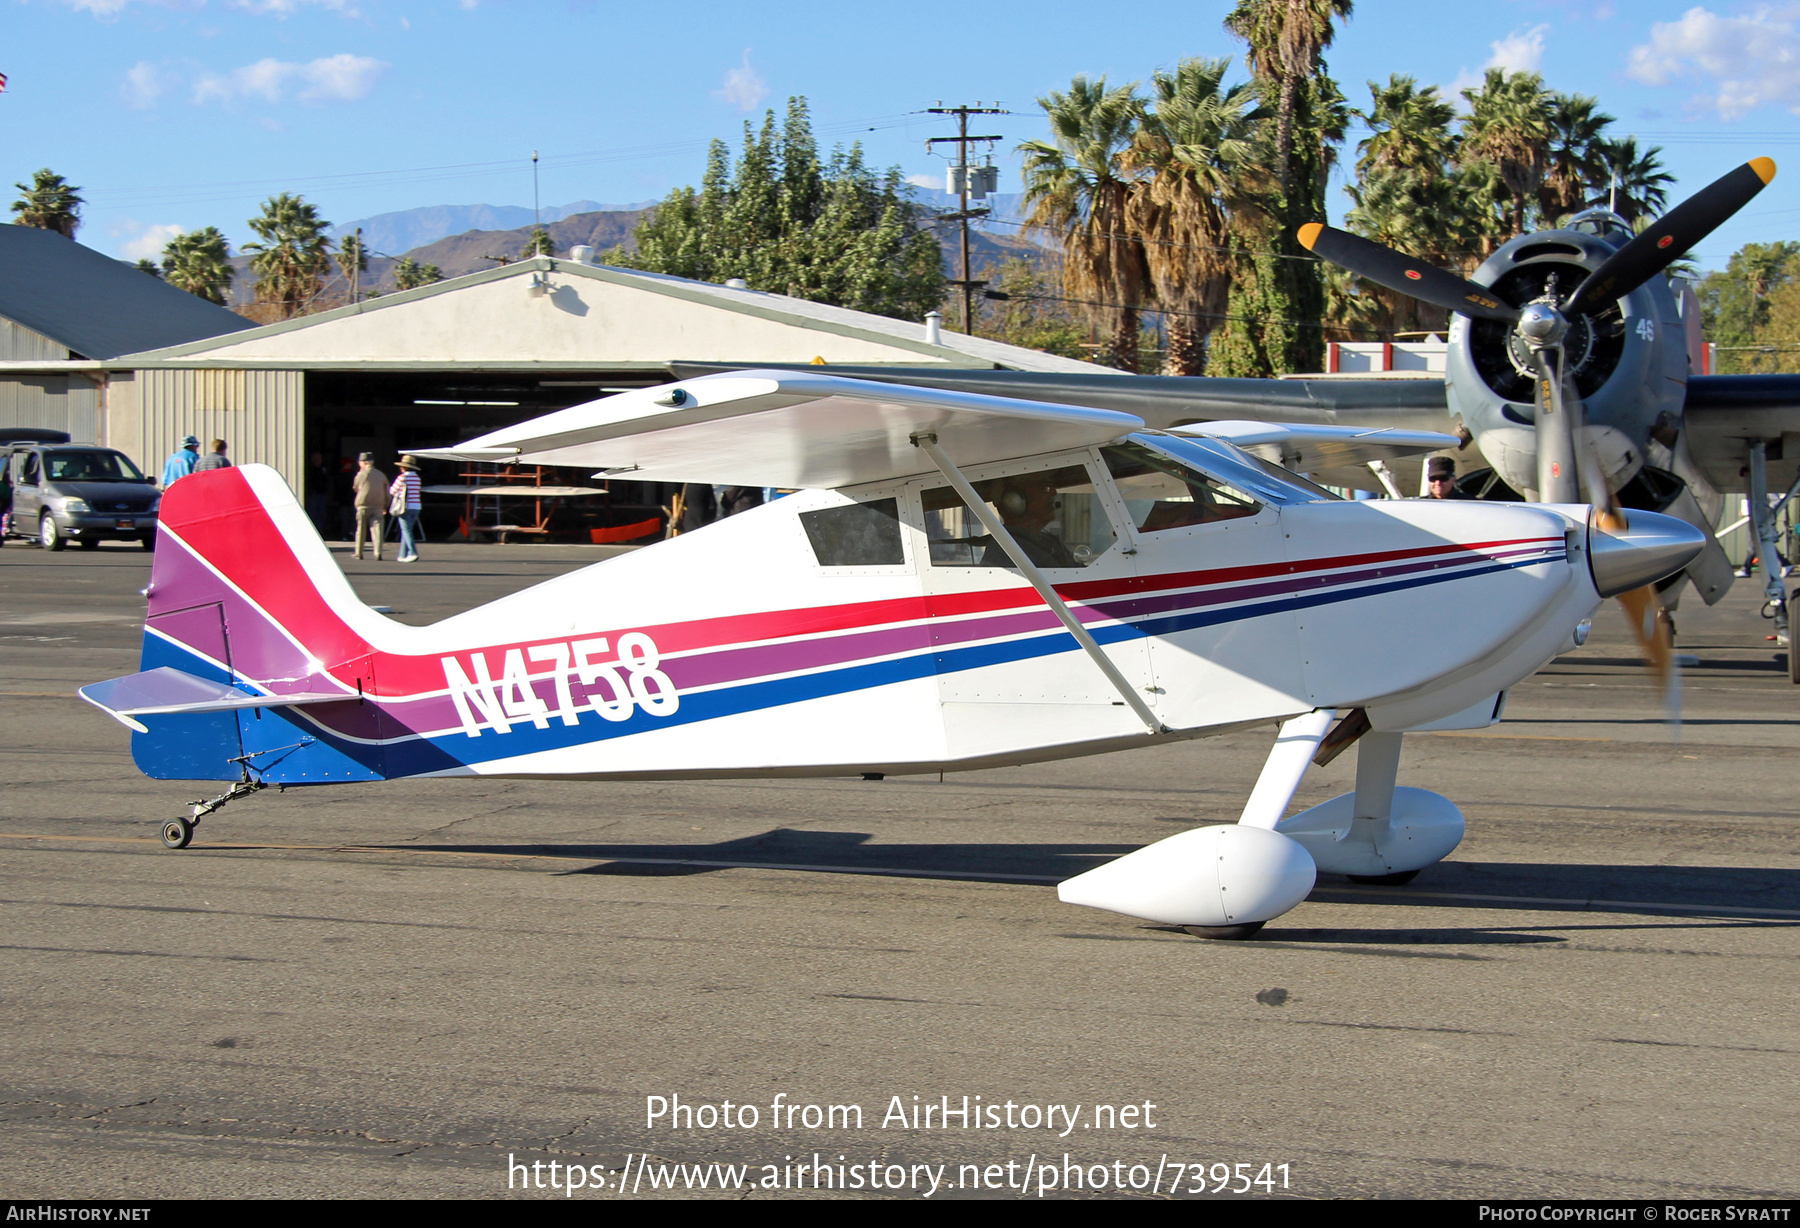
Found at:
[1425, 828]
[1211, 876]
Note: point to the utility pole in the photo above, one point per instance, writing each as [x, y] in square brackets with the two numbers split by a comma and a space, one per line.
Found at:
[962, 140]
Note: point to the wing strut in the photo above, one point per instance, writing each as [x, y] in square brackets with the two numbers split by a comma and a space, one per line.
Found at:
[929, 445]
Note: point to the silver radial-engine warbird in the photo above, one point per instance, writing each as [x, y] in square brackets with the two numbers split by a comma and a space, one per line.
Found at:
[1570, 369]
[965, 582]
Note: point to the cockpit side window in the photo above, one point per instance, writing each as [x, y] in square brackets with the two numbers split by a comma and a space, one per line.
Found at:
[856, 534]
[1055, 515]
[1162, 493]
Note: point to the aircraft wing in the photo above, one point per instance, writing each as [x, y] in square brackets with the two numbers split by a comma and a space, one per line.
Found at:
[1723, 411]
[790, 428]
[1336, 455]
[1163, 401]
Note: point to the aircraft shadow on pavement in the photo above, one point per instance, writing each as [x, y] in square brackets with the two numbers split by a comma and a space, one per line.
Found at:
[1704, 894]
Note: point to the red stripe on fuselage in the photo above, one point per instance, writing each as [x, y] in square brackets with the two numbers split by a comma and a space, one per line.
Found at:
[238, 537]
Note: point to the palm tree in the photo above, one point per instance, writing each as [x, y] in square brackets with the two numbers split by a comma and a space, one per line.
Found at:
[200, 263]
[293, 257]
[1509, 129]
[1287, 43]
[148, 266]
[1198, 141]
[1631, 185]
[409, 274]
[353, 262]
[1411, 129]
[50, 203]
[1078, 188]
[1576, 156]
[539, 244]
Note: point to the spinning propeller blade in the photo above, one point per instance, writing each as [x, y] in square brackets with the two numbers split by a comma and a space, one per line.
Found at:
[1669, 237]
[1386, 267]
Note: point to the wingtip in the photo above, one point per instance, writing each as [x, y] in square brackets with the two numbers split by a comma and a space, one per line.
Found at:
[1309, 233]
[1764, 168]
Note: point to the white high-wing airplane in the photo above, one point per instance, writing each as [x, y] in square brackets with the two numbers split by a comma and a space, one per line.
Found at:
[964, 582]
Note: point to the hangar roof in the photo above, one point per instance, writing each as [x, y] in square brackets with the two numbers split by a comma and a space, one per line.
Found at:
[558, 313]
[94, 305]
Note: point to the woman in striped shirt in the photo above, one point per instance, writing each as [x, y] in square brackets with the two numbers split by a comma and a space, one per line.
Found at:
[404, 504]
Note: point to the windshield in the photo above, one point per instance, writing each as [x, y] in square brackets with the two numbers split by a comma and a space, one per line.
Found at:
[90, 467]
[1227, 462]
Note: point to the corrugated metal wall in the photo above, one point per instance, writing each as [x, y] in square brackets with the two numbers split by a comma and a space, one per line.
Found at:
[20, 344]
[55, 402]
[261, 415]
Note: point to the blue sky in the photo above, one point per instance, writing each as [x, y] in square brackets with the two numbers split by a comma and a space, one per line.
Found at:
[186, 113]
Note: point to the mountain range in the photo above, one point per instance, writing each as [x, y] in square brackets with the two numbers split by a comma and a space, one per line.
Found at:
[473, 248]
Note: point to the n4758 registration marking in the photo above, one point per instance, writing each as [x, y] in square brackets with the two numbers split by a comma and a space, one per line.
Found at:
[614, 687]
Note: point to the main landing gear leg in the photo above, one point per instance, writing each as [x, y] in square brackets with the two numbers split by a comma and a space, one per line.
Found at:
[1377, 769]
[1762, 522]
[179, 833]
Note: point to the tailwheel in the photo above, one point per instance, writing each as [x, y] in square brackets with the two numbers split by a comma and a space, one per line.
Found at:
[1232, 933]
[1384, 880]
[177, 833]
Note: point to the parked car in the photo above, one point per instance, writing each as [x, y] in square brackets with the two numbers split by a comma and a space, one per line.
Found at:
[77, 492]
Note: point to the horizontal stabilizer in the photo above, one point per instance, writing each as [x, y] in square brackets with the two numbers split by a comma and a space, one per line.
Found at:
[1312, 448]
[166, 691]
[790, 428]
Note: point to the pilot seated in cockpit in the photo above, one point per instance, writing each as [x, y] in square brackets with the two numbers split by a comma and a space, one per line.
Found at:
[1028, 508]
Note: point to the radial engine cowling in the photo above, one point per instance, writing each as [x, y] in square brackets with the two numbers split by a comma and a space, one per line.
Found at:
[1211, 876]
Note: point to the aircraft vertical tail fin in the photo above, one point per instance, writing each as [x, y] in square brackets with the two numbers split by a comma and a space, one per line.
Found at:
[256, 655]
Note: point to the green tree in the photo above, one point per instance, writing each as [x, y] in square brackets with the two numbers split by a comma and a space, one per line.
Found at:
[1410, 130]
[1575, 156]
[1079, 188]
[409, 274]
[148, 266]
[353, 262]
[200, 263]
[49, 203]
[1736, 305]
[788, 222]
[1287, 41]
[539, 244]
[1633, 185]
[1198, 140]
[292, 257]
[1508, 129]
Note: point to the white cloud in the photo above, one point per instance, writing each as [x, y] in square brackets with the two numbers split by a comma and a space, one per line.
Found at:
[112, 8]
[337, 78]
[1741, 63]
[143, 85]
[1520, 51]
[143, 242]
[743, 88]
[285, 8]
[931, 183]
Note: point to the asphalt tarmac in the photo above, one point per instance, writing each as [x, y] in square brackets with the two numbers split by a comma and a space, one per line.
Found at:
[389, 990]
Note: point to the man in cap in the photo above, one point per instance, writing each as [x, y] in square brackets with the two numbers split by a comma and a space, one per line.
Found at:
[371, 487]
[181, 461]
[1440, 479]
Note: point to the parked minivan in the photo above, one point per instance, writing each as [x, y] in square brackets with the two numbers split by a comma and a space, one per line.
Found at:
[78, 492]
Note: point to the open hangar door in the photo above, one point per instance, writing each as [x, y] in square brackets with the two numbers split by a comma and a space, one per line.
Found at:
[391, 413]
